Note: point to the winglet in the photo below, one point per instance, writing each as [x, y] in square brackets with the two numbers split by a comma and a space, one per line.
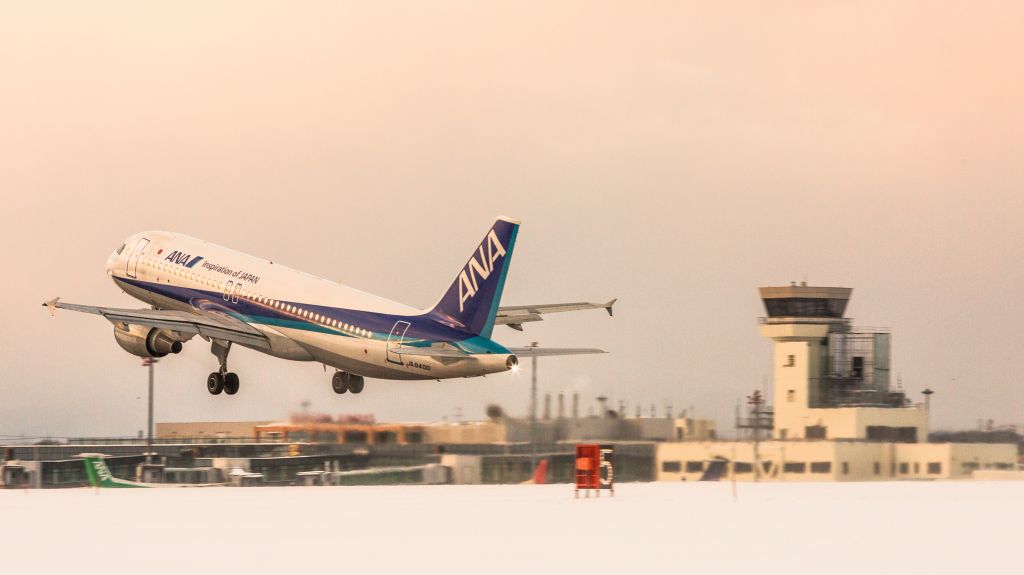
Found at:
[52, 304]
[608, 306]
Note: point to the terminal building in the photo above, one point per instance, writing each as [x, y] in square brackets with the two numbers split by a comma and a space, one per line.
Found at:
[836, 416]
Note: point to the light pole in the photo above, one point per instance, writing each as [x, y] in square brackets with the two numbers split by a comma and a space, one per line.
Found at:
[150, 362]
[927, 399]
[533, 410]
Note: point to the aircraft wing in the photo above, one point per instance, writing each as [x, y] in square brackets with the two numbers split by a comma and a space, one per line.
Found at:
[546, 351]
[208, 324]
[515, 316]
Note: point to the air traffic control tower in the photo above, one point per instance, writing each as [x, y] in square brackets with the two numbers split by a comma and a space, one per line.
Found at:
[832, 380]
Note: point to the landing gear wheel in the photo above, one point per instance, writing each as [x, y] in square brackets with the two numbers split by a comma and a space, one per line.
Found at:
[355, 383]
[338, 382]
[231, 383]
[215, 383]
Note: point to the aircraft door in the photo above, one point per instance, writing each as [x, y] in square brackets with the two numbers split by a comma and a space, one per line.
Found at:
[395, 339]
[132, 265]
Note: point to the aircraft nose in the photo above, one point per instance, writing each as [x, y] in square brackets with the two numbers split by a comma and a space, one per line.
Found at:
[111, 262]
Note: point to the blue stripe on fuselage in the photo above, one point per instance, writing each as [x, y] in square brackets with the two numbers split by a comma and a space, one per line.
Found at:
[422, 331]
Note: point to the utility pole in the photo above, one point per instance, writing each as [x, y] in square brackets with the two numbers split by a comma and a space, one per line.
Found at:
[533, 410]
[927, 409]
[150, 362]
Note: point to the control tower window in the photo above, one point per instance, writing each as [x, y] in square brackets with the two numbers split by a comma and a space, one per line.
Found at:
[805, 307]
[121, 249]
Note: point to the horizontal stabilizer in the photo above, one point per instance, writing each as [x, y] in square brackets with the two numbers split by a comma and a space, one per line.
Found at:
[515, 316]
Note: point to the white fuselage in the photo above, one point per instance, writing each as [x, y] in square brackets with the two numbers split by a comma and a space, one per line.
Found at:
[304, 317]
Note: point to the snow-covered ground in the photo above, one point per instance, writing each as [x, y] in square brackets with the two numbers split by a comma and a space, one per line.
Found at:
[952, 527]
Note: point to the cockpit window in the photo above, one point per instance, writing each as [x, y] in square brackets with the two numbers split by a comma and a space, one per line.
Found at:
[121, 249]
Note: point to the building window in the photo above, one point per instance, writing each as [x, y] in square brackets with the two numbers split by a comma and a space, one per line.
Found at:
[742, 467]
[671, 466]
[904, 468]
[694, 466]
[934, 468]
[790, 395]
[815, 432]
[821, 467]
[794, 467]
[858, 367]
[886, 433]
[790, 361]
[354, 436]
[846, 468]
[878, 468]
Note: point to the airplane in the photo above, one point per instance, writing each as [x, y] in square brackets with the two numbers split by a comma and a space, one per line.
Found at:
[100, 476]
[229, 298]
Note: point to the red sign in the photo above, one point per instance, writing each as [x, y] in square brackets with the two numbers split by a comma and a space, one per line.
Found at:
[595, 468]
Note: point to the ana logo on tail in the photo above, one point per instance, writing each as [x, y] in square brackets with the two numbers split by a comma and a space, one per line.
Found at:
[479, 267]
[101, 470]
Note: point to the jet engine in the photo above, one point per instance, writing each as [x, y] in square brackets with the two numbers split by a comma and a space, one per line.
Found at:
[146, 341]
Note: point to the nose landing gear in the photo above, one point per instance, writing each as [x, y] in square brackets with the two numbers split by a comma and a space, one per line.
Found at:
[342, 381]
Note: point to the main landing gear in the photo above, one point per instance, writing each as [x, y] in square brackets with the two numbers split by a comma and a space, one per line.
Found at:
[222, 379]
[344, 381]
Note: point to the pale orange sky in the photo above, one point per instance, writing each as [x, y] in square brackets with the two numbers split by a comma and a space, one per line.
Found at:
[675, 155]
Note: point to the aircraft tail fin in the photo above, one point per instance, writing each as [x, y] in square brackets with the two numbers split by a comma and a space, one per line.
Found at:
[471, 302]
[99, 474]
[540, 474]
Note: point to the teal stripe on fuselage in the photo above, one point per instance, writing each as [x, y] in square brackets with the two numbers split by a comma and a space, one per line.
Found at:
[477, 344]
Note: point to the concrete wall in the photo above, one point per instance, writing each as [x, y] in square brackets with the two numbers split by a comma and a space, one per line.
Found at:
[958, 460]
[853, 422]
[797, 358]
[466, 469]
[834, 460]
[689, 429]
[207, 429]
[469, 432]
